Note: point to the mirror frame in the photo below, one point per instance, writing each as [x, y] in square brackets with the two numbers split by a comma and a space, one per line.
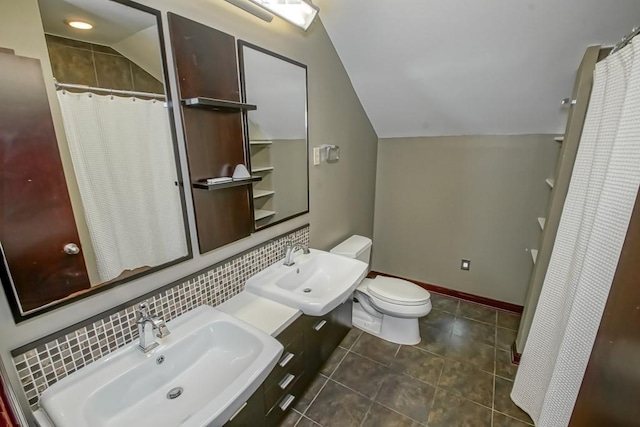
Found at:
[245, 119]
[5, 275]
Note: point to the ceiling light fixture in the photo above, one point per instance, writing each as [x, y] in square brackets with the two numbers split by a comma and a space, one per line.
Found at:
[300, 13]
[80, 25]
[252, 9]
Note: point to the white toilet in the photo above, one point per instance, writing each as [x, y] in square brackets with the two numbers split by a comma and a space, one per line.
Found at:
[386, 307]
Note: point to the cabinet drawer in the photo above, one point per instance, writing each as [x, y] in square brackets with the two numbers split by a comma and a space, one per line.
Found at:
[251, 414]
[291, 332]
[315, 335]
[291, 353]
[284, 383]
[285, 403]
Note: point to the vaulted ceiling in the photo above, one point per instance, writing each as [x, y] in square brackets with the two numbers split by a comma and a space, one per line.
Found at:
[469, 67]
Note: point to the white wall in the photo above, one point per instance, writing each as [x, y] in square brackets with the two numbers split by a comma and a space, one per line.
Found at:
[342, 194]
[441, 199]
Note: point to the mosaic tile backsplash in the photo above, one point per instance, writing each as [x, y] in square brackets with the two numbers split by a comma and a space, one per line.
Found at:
[43, 366]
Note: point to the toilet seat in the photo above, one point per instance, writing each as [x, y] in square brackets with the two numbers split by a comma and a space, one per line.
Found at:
[396, 297]
[397, 291]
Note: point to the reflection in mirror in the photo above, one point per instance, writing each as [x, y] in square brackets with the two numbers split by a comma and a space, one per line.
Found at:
[117, 148]
[277, 133]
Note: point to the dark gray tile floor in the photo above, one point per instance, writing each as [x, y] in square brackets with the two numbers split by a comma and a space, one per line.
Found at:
[459, 375]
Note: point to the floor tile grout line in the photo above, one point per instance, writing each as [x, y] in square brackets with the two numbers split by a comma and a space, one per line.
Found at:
[299, 418]
[459, 300]
[495, 368]
[399, 413]
[513, 418]
[314, 399]
[338, 364]
[370, 359]
[352, 389]
[366, 413]
[435, 392]
[444, 357]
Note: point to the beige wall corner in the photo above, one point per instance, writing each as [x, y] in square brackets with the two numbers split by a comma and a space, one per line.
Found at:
[441, 199]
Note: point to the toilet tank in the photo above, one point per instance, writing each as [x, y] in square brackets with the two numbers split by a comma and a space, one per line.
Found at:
[358, 247]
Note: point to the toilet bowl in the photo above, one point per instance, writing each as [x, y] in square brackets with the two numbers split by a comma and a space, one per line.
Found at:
[386, 307]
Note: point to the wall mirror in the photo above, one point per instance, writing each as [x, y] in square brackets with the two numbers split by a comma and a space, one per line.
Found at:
[276, 133]
[116, 140]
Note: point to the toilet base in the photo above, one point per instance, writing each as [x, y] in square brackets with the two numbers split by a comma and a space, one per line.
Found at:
[393, 329]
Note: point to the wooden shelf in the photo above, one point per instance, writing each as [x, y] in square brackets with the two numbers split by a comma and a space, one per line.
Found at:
[542, 221]
[534, 255]
[262, 193]
[260, 142]
[219, 186]
[262, 214]
[550, 182]
[217, 104]
[559, 139]
[263, 169]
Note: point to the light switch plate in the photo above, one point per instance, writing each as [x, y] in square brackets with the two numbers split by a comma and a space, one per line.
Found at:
[316, 156]
[465, 264]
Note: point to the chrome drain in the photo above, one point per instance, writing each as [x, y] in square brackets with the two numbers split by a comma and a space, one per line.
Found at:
[174, 393]
[306, 290]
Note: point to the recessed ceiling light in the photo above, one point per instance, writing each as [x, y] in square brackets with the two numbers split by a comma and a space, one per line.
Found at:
[80, 25]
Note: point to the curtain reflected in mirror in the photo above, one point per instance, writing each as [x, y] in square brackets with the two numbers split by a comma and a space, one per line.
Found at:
[277, 133]
[122, 156]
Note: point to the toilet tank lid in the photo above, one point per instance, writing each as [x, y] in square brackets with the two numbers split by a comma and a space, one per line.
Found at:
[353, 246]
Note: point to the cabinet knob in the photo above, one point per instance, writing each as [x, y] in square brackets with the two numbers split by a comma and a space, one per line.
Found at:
[287, 401]
[320, 325]
[71, 249]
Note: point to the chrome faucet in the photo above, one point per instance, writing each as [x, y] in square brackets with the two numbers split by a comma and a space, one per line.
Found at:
[143, 319]
[290, 249]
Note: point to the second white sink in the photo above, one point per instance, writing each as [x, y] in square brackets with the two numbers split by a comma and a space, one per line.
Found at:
[316, 284]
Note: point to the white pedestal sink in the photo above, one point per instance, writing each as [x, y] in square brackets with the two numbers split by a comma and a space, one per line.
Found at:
[317, 283]
[199, 376]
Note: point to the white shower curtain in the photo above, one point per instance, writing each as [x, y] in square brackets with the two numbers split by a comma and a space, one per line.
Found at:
[592, 230]
[123, 159]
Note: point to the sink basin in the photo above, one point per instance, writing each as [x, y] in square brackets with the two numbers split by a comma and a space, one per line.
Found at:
[316, 284]
[200, 375]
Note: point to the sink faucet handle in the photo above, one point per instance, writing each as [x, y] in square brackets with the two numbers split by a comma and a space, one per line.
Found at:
[161, 327]
[143, 310]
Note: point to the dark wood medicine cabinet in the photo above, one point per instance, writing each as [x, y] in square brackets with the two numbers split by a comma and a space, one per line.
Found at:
[216, 119]
[206, 67]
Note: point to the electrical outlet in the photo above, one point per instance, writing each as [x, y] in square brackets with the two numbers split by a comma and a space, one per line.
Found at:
[465, 264]
[316, 156]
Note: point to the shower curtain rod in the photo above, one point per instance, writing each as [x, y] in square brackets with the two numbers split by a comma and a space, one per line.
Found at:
[626, 39]
[109, 91]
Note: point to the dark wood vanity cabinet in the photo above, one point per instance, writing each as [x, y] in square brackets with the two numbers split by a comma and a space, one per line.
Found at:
[308, 342]
[323, 334]
[206, 65]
